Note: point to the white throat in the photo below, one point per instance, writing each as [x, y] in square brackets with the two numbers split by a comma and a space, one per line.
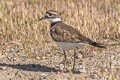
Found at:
[54, 20]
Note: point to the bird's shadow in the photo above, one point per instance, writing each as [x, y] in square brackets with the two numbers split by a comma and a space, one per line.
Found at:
[31, 67]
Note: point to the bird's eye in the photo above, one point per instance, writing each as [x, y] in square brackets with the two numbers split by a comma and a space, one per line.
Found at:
[50, 14]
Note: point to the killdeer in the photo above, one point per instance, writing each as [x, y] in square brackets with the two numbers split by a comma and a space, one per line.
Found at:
[65, 36]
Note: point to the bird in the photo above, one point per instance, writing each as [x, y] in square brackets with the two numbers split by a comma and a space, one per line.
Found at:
[65, 36]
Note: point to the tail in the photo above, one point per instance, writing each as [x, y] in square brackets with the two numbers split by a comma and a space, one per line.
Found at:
[97, 45]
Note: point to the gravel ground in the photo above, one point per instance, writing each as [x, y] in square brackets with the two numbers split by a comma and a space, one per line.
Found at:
[15, 64]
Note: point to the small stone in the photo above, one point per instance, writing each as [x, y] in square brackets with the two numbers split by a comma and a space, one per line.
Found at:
[82, 70]
[3, 68]
[79, 56]
[61, 66]
[93, 76]
[43, 74]
[2, 56]
[37, 57]
[43, 57]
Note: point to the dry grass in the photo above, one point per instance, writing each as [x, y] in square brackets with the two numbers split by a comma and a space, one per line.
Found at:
[96, 19]
[19, 18]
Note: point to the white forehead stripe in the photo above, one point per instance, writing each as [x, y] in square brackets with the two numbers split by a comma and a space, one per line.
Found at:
[53, 12]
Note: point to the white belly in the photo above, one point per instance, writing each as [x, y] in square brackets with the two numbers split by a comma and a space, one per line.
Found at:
[68, 45]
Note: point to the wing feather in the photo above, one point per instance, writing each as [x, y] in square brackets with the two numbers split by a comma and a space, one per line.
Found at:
[65, 33]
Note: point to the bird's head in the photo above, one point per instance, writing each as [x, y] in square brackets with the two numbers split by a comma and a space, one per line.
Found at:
[52, 16]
